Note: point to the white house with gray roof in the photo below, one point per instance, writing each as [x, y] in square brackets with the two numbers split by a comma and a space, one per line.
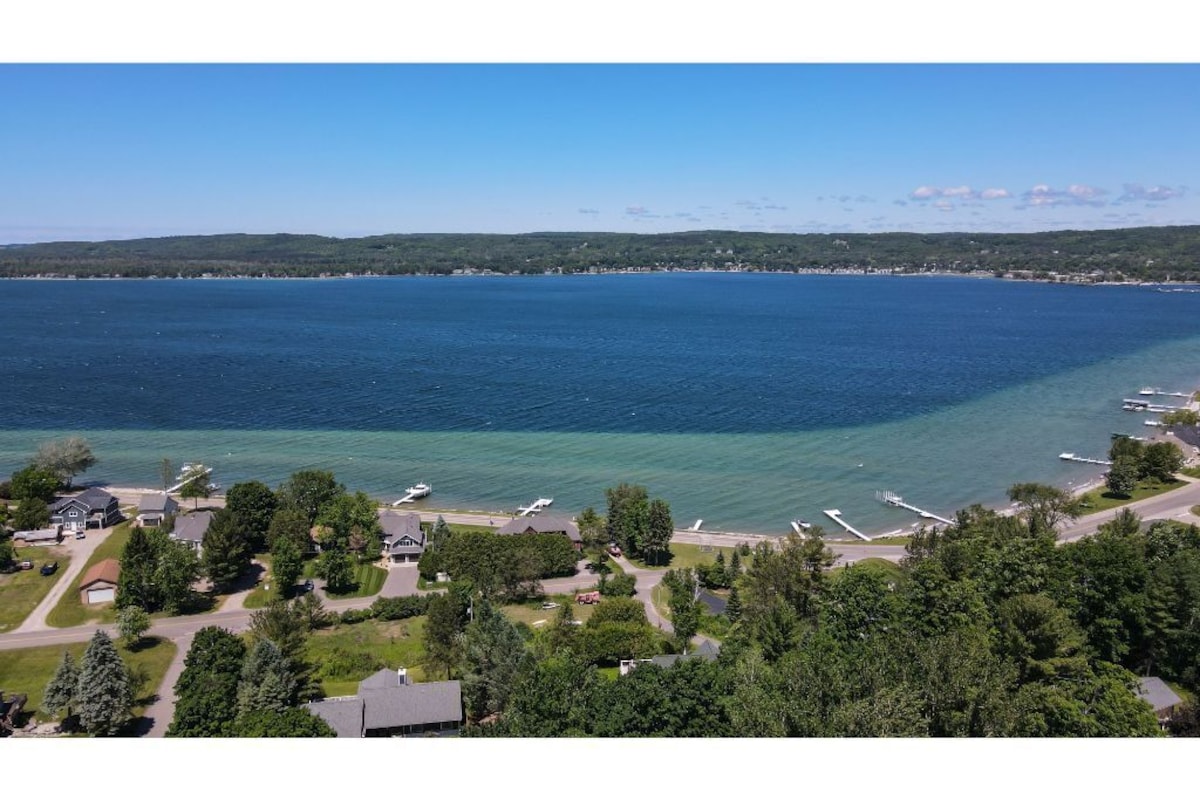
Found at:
[387, 704]
[403, 538]
[91, 508]
[190, 529]
[543, 523]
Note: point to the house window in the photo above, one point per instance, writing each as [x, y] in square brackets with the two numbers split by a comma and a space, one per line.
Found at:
[72, 513]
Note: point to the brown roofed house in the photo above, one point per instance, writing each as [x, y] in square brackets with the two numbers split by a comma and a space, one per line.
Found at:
[99, 584]
[543, 523]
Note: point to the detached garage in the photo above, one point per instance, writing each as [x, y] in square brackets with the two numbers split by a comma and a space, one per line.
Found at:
[99, 584]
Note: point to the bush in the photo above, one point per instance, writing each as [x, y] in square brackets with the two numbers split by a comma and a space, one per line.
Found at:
[619, 586]
[341, 664]
[619, 609]
[353, 616]
[391, 608]
[429, 565]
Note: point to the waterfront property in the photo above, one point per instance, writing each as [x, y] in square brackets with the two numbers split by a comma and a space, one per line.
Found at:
[403, 538]
[92, 508]
[543, 523]
[153, 508]
[387, 704]
[190, 529]
[99, 583]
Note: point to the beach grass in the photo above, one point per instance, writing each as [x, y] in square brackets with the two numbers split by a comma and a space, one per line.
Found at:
[1101, 499]
[21, 591]
[28, 670]
[70, 610]
[393, 644]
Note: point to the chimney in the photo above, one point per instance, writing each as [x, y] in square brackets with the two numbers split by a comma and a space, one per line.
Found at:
[401, 676]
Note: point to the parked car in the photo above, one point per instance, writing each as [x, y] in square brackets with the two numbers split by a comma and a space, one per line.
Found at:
[613, 550]
[80, 535]
[26, 565]
[549, 606]
[308, 586]
[50, 568]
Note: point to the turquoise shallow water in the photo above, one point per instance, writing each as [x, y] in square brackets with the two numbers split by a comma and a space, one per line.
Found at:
[745, 419]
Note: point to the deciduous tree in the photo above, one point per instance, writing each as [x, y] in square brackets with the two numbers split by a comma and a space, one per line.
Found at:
[132, 623]
[36, 482]
[66, 458]
[286, 565]
[253, 506]
[309, 491]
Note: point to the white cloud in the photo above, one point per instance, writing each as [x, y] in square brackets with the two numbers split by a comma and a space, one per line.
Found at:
[1043, 195]
[1136, 192]
[995, 194]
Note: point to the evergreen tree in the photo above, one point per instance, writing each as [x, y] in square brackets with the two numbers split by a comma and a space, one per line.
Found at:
[439, 534]
[225, 555]
[60, 692]
[659, 530]
[206, 692]
[136, 584]
[288, 722]
[493, 654]
[103, 693]
[267, 682]
[735, 566]
[445, 620]
[733, 607]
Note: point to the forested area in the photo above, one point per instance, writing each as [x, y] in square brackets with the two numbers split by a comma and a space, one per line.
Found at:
[1140, 254]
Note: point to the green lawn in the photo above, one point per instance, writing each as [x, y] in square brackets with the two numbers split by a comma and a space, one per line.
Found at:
[27, 671]
[21, 591]
[1101, 499]
[1195, 511]
[531, 611]
[70, 610]
[1191, 472]
[896, 540]
[691, 555]
[382, 644]
[369, 577]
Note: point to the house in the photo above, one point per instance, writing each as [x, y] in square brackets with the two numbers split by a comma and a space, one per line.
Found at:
[707, 650]
[1160, 697]
[43, 537]
[403, 538]
[190, 529]
[543, 523]
[153, 508]
[387, 704]
[92, 508]
[99, 584]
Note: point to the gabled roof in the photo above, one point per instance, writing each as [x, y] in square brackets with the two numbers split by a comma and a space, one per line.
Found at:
[383, 679]
[542, 523]
[343, 714]
[705, 650]
[89, 499]
[157, 503]
[108, 570]
[395, 525]
[412, 704]
[192, 527]
[1157, 693]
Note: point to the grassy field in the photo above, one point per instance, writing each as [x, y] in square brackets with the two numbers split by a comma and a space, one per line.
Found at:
[1101, 499]
[1195, 511]
[691, 555]
[900, 541]
[27, 671]
[21, 591]
[387, 644]
[369, 577]
[70, 610]
[531, 612]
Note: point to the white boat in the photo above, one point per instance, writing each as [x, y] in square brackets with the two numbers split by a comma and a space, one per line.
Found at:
[414, 493]
[1146, 390]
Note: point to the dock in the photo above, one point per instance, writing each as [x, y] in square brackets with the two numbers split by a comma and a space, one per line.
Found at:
[534, 507]
[836, 516]
[1082, 460]
[895, 500]
[189, 473]
[414, 493]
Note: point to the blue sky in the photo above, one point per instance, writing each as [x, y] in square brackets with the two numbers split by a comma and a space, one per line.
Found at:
[96, 151]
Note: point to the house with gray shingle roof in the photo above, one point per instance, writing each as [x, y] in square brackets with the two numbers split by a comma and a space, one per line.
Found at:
[190, 529]
[706, 650]
[543, 523]
[92, 508]
[1160, 697]
[403, 538]
[388, 705]
[153, 508]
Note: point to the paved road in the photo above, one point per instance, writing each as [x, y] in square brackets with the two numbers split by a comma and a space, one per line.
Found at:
[81, 550]
[1175, 505]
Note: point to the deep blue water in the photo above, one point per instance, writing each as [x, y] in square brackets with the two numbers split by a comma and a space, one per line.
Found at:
[658, 353]
[747, 400]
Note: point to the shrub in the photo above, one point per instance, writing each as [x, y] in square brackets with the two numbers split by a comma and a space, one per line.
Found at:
[353, 616]
[390, 608]
[341, 664]
[619, 586]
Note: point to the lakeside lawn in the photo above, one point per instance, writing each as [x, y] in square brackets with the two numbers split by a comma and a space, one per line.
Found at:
[28, 670]
[345, 654]
[21, 591]
[1101, 499]
[693, 555]
[368, 579]
[530, 612]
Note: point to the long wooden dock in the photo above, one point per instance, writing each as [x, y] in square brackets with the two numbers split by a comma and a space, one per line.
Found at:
[897, 501]
[1082, 460]
[836, 516]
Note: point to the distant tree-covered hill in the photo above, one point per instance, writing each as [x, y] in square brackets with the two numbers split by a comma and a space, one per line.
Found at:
[1139, 254]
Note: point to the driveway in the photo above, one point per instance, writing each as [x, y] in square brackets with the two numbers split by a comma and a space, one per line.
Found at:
[81, 550]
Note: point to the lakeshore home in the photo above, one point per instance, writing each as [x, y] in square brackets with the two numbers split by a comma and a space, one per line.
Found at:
[403, 538]
[388, 705]
[190, 529]
[706, 650]
[153, 508]
[92, 508]
[99, 584]
[543, 523]
[43, 537]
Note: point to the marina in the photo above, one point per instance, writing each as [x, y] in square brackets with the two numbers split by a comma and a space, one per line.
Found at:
[895, 500]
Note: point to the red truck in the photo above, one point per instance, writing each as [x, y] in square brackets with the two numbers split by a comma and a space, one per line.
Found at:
[587, 598]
